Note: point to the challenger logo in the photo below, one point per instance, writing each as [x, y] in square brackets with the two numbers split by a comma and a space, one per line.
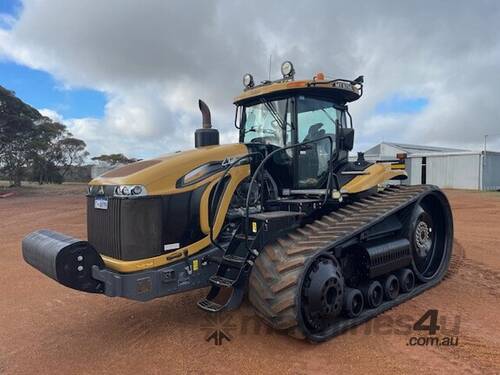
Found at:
[231, 159]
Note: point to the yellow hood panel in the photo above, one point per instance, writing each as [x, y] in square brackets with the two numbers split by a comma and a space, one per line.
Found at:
[160, 175]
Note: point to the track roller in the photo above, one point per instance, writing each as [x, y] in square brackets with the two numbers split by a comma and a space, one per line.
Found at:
[373, 293]
[391, 287]
[353, 302]
[406, 280]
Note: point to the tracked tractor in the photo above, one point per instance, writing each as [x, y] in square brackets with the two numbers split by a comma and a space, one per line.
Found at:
[317, 242]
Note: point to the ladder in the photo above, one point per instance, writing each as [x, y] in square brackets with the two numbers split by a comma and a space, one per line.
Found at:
[229, 283]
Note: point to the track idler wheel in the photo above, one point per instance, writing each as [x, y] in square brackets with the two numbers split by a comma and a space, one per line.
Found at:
[391, 287]
[406, 280]
[431, 237]
[373, 294]
[353, 302]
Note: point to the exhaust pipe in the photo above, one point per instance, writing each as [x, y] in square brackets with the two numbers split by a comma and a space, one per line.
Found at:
[206, 136]
[206, 122]
[67, 260]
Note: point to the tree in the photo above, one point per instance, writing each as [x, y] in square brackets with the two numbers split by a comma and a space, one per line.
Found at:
[31, 141]
[72, 152]
[17, 123]
[15, 146]
[114, 159]
[45, 154]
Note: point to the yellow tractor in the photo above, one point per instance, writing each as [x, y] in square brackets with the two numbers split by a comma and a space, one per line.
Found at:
[319, 243]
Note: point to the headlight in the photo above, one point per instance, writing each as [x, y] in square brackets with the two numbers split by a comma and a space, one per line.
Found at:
[287, 69]
[248, 80]
[137, 190]
[130, 191]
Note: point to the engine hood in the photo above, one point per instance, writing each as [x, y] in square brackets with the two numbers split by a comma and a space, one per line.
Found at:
[160, 175]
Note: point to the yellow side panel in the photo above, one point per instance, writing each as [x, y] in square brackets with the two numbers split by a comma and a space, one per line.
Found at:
[374, 175]
[237, 175]
[398, 166]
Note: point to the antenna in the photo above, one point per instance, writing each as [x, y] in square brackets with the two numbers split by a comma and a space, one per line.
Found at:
[270, 61]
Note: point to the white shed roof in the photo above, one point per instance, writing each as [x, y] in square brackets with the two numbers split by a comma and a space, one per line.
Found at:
[411, 149]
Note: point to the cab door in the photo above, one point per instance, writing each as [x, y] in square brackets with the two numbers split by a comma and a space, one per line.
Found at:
[315, 118]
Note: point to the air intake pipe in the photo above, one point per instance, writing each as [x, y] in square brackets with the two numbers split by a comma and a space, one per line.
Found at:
[206, 136]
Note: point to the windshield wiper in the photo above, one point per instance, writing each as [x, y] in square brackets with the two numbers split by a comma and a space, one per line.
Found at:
[330, 117]
[275, 114]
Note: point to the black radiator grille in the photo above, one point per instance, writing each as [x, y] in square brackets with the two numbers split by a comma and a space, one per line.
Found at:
[139, 228]
[103, 227]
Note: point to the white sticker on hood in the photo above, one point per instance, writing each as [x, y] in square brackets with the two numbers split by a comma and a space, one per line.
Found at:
[171, 246]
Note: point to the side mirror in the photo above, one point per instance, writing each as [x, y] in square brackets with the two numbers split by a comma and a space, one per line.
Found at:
[346, 139]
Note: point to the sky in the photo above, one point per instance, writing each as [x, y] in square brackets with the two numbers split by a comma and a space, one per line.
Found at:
[125, 76]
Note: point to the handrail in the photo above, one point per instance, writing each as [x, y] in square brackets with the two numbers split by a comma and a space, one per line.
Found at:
[263, 162]
[216, 189]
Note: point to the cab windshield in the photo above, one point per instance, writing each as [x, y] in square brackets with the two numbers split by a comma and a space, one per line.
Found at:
[267, 122]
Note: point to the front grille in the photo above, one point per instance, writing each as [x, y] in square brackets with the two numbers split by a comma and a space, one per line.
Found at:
[103, 227]
[129, 229]
[142, 227]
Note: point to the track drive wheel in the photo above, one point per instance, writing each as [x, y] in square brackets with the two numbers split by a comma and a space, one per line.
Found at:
[297, 290]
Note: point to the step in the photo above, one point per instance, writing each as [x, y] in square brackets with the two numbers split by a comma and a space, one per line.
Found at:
[234, 260]
[221, 281]
[211, 306]
[305, 191]
[241, 236]
[296, 201]
[270, 215]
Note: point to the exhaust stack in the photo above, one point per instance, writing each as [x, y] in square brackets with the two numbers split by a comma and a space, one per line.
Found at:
[206, 136]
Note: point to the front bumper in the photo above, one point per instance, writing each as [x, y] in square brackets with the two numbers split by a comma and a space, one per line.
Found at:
[77, 265]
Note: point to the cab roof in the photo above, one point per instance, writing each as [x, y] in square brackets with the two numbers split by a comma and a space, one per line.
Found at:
[340, 90]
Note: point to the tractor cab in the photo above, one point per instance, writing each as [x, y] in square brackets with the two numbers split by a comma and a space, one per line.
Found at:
[308, 119]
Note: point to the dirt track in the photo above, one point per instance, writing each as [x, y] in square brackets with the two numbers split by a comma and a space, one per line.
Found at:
[47, 328]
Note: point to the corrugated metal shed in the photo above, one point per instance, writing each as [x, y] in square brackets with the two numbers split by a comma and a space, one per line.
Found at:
[459, 171]
[491, 174]
[442, 166]
[389, 150]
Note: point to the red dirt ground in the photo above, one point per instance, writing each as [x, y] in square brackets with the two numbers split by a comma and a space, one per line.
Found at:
[47, 328]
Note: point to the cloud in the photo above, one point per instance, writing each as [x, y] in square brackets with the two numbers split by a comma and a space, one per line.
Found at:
[154, 59]
[51, 114]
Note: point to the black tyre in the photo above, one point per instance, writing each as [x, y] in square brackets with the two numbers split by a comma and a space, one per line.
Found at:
[373, 294]
[391, 287]
[353, 302]
[406, 280]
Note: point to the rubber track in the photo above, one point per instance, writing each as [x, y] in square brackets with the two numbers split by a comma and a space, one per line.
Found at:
[275, 277]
